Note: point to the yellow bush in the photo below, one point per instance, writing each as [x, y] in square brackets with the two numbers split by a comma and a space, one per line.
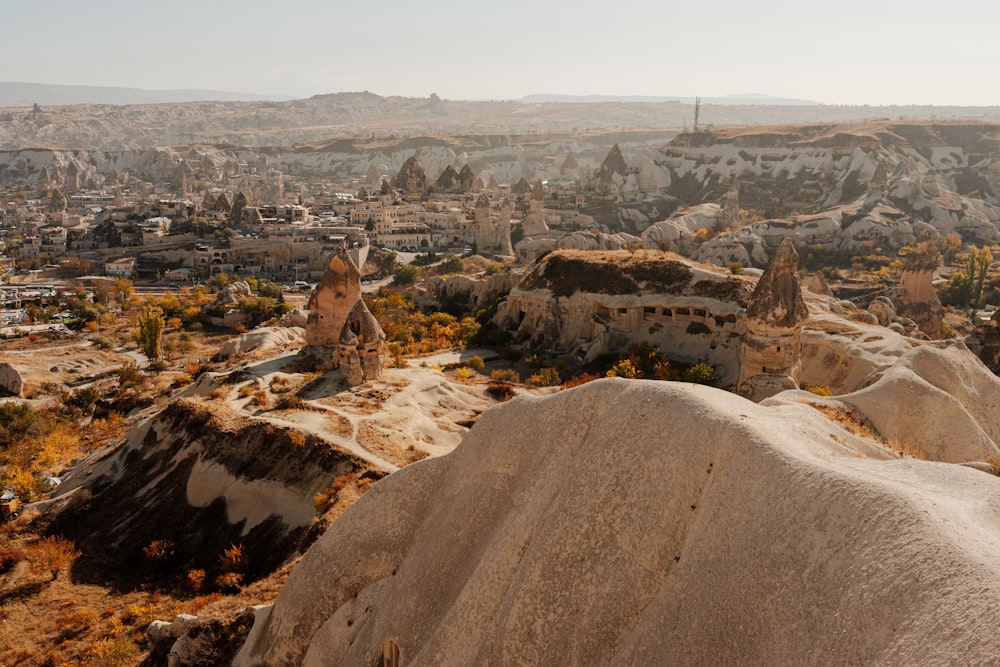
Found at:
[111, 652]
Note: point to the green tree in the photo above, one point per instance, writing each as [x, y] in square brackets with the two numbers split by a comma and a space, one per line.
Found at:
[977, 266]
[700, 374]
[150, 332]
[406, 274]
[965, 288]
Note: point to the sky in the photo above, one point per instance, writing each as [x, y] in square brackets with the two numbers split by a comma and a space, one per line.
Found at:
[874, 52]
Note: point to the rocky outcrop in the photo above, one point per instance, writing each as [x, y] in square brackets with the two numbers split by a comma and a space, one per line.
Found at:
[468, 182]
[589, 303]
[739, 523]
[331, 300]
[984, 342]
[448, 180]
[530, 249]
[11, 382]
[234, 293]
[613, 166]
[917, 299]
[771, 346]
[362, 346]
[202, 479]
[472, 293]
[340, 329]
[410, 177]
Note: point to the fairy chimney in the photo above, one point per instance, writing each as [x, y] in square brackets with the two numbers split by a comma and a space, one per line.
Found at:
[340, 328]
[769, 351]
[917, 299]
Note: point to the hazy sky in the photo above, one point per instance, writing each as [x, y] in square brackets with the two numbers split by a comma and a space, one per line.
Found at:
[844, 52]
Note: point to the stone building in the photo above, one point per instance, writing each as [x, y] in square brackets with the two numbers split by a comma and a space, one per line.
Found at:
[770, 351]
[340, 329]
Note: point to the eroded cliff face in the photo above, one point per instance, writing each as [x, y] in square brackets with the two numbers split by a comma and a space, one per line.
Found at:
[839, 189]
[203, 479]
[589, 304]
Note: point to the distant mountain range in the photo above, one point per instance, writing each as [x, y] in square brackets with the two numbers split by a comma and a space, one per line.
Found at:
[14, 94]
[26, 94]
[745, 98]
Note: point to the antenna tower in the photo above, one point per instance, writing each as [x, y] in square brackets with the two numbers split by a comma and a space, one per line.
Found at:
[697, 112]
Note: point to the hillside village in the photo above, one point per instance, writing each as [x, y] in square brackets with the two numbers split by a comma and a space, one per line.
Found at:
[219, 350]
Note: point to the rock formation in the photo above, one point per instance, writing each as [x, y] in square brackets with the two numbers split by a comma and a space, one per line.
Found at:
[411, 177]
[340, 327]
[917, 298]
[448, 180]
[613, 165]
[240, 202]
[521, 188]
[361, 353]
[491, 233]
[468, 182]
[57, 203]
[570, 168]
[11, 382]
[770, 348]
[745, 534]
[984, 342]
[590, 303]
[534, 222]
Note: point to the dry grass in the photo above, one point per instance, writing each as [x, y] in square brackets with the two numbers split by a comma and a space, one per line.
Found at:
[856, 424]
[378, 440]
[342, 426]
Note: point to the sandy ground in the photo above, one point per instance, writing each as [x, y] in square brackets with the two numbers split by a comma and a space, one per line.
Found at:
[409, 414]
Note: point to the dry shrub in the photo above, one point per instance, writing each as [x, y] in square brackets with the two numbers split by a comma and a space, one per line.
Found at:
[296, 439]
[290, 402]
[196, 579]
[229, 582]
[413, 454]
[141, 614]
[545, 377]
[260, 400]
[194, 368]
[108, 428]
[159, 550]
[851, 420]
[505, 375]
[324, 499]
[76, 621]
[342, 425]
[233, 559]
[111, 652]
[501, 391]
[464, 374]
[583, 378]
[247, 390]
[280, 384]
[51, 554]
[219, 393]
[819, 390]
[9, 557]
[197, 604]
